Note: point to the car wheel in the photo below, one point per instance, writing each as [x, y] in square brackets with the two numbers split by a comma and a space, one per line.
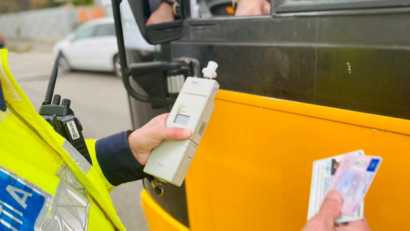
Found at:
[117, 66]
[63, 63]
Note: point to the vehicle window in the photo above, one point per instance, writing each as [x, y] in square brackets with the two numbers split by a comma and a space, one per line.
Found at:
[218, 8]
[326, 0]
[320, 5]
[85, 33]
[105, 30]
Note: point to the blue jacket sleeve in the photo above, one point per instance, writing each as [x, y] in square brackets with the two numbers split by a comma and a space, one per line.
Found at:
[116, 160]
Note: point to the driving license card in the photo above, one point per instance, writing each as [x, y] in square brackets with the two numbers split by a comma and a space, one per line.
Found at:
[353, 179]
[322, 175]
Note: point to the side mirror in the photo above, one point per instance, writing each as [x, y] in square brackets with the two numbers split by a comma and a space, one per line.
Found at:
[159, 21]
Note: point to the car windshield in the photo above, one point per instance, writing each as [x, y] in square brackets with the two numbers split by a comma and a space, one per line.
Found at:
[105, 30]
[85, 33]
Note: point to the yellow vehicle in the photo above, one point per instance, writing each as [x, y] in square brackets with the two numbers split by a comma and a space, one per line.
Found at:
[311, 80]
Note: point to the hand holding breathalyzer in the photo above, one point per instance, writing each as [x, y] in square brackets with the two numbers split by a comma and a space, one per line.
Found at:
[193, 108]
[329, 212]
[143, 140]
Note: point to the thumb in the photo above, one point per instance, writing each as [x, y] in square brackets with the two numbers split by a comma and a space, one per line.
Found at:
[331, 207]
[176, 133]
[328, 213]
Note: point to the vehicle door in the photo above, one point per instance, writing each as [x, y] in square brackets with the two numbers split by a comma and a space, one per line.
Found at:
[103, 47]
[311, 80]
[78, 52]
[347, 55]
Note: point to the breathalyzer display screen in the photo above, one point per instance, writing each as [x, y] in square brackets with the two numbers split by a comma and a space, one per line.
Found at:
[181, 119]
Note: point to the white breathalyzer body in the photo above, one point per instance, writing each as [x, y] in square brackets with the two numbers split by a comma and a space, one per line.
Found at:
[193, 108]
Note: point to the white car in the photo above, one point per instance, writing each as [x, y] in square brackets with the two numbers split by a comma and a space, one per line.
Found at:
[93, 46]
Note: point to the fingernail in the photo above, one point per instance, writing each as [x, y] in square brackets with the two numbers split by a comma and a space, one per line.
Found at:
[187, 133]
[334, 195]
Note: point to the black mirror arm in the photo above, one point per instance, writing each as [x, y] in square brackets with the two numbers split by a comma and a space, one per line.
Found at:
[125, 70]
[121, 52]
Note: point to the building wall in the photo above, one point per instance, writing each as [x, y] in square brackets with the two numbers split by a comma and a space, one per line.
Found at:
[48, 24]
[52, 23]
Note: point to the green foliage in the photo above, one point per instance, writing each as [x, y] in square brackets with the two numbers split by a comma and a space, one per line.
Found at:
[83, 2]
[40, 4]
[9, 6]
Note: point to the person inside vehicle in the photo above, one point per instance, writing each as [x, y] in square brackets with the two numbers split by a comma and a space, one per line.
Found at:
[252, 8]
[165, 11]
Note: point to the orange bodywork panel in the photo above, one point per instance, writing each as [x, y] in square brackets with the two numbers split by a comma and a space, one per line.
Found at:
[158, 219]
[253, 167]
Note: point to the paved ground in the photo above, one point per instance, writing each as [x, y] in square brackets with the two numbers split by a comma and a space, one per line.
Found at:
[98, 99]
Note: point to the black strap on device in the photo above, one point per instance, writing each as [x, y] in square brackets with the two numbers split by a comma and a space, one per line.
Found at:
[61, 117]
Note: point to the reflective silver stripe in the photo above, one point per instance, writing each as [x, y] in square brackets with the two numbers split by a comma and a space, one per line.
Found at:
[69, 210]
[65, 174]
[77, 157]
[70, 207]
[48, 200]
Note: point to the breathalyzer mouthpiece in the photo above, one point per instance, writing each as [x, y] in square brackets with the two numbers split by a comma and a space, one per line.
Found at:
[210, 71]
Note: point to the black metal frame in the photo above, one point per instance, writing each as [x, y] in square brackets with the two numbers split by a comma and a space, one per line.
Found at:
[125, 70]
[319, 44]
[121, 52]
[283, 6]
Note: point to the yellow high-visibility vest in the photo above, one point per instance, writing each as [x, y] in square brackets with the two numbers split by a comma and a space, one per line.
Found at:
[45, 184]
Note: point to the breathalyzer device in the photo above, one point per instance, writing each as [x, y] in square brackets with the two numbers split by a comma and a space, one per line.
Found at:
[169, 162]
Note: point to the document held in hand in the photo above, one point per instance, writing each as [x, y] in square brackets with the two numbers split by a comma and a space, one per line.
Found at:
[353, 179]
[323, 173]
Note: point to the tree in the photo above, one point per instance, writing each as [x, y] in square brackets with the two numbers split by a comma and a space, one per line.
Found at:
[9, 6]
